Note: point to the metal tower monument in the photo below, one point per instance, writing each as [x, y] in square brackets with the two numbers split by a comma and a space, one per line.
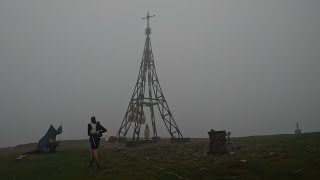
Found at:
[147, 97]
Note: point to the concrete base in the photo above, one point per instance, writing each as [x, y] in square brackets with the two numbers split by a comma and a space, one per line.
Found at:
[180, 140]
[139, 142]
[120, 140]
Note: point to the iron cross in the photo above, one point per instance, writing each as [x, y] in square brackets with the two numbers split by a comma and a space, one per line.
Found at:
[148, 17]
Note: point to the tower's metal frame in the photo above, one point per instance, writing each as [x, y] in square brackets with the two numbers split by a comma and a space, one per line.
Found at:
[154, 97]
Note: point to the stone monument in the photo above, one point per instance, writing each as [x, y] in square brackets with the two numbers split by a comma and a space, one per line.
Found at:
[297, 131]
[217, 144]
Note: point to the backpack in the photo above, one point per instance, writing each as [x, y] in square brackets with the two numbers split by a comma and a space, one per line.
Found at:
[94, 130]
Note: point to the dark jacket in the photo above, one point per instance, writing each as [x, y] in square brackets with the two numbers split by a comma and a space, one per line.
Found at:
[99, 128]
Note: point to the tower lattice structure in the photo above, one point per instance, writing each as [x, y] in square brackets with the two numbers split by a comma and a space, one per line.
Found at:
[147, 93]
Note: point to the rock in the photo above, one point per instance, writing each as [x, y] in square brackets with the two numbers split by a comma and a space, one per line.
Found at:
[203, 169]
[297, 171]
[243, 161]
[20, 157]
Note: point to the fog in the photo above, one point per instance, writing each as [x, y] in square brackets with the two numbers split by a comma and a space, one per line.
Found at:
[250, 67]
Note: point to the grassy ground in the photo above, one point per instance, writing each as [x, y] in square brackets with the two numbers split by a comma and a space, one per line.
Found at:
[267, 157]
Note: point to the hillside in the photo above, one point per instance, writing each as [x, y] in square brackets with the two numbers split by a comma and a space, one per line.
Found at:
[256, 157]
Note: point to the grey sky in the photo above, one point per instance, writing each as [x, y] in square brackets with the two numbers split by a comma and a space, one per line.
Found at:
[247, 66]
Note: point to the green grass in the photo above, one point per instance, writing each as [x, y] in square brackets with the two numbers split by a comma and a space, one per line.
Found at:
[268, 157]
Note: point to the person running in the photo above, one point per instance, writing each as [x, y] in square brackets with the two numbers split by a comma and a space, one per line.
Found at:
[147, 132]
[95, 130]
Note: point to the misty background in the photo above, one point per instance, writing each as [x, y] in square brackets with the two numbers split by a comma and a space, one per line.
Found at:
[250, 67]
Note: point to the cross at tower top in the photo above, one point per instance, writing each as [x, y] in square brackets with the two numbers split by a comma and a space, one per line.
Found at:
[148, 30]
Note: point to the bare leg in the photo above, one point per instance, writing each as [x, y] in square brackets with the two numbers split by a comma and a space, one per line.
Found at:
[92, 157]
[95, 155]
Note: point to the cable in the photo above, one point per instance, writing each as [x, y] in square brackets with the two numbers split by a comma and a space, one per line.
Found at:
[152, 165]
